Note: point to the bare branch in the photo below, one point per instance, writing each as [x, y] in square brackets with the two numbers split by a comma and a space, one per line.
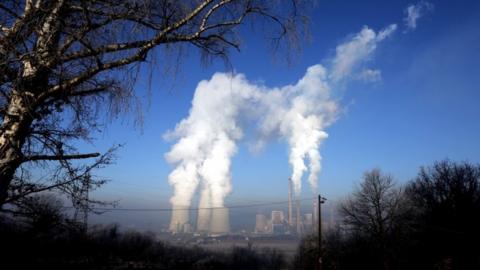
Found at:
[60, 157]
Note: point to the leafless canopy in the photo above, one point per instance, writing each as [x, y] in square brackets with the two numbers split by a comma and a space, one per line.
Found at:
[377, 211]
[63, 61]
[376, 207]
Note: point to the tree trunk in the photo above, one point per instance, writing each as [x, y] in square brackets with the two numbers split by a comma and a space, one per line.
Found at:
[14, 129]
[19, 116]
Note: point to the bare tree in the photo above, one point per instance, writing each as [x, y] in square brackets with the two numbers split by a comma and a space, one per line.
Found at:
[71, 180]
[64, 61]
[446, 197]
[41, 213]
[376, 211]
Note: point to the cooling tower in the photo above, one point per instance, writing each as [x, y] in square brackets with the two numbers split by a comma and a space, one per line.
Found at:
[204, 211]
[220, 222]
[203, 221]
[179, 218]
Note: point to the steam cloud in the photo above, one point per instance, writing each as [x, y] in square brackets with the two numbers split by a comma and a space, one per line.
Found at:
[414, 12]
[225, 104]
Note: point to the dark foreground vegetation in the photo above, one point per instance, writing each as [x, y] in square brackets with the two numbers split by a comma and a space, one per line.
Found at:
[432, 222]
[68, 247]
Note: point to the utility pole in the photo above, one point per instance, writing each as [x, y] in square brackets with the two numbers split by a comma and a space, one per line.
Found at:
[321, 200]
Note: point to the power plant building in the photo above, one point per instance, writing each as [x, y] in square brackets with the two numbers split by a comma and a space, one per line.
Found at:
[277, 217]
[261, 224]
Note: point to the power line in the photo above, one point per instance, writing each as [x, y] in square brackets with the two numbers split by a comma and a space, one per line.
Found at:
[192, 209]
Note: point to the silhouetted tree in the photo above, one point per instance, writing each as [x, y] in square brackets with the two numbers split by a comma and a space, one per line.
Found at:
[376, 213]
[41, 213]
[306, 256]
[447, 201]
[69, 179]
[62, 62]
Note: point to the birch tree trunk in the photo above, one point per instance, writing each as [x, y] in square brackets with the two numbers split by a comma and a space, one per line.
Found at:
[14, 131]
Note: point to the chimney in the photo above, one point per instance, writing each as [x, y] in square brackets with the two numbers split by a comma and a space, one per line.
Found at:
[315, 212]
[290, 216]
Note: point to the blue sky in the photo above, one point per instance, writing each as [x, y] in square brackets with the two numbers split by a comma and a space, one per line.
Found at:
[424, 108]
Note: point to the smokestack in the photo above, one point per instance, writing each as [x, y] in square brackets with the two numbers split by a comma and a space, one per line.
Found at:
[299, 222]
[179, 218]
[220, 222]
[290, 216]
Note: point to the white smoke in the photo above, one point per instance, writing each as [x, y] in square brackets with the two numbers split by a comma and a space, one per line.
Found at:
[414, 12]
[356, 51]
[207, 142]
[299, 114]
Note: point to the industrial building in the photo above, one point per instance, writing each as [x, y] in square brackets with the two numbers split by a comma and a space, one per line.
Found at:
[261, 224]
[215, 220]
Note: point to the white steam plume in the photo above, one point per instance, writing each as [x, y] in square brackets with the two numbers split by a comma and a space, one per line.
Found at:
[414, 12]
[301, 112]
[297, 113]
[207, 142]
[354, 52]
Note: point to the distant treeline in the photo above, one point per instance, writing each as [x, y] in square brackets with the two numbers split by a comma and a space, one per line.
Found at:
[431, 222]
